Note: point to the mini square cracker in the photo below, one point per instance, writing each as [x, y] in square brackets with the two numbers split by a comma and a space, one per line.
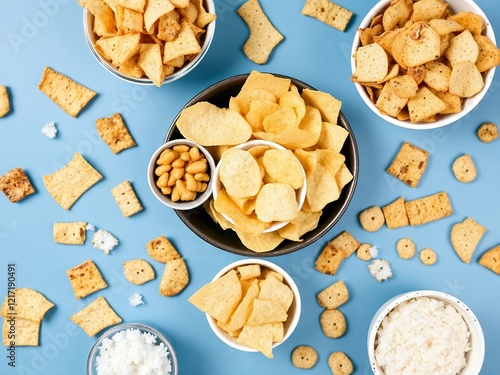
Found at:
[95, 317]
[427, 209]
[409, 164]
[70, 233]
[126, 199]
[85, 279]
[16, 185]
[328, 12]
[115, 133]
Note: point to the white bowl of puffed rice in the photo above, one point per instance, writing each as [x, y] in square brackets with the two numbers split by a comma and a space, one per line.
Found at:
[425, 332]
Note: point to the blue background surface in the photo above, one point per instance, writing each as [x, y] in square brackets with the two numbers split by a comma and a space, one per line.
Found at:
[43, 33]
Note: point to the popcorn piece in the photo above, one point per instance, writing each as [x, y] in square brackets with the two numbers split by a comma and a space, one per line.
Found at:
[49, 130]
[380, 269]
[135, 299]
[90, 227]
[373, 251]
[104, 241]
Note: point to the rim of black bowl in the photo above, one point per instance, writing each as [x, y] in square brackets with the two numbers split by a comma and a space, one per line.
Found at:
[200, 223]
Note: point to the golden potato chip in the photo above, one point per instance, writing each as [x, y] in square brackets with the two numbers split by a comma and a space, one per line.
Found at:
[260, 243]
[322, 188]
[293, 100]
[328, 106]
[403, 86]
[276, 202]
[259, 110]
[437, 76]
[372, 63]
[332, 137]
[245, 98]
[343, 176]
[462, 48]
[453, 102]
[280, 121]
[150, 61]
[472, 22]
[220, 297]
[239, 173]
[257, 80]
[445, 26]
[366, 35]
[396, 14]
[282, 166]
[425, 10]
[119, 48]
[422, 45]
[489, 54]
[424, 105]
[390, 103]
[465, 80]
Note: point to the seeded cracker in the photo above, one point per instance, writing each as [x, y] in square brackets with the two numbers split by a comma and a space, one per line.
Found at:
[304, 357]
[66, 93]
[409, 164]
[427, 209]
[395, 214]
[340, 364]
[85, 279]
[70, 182]
[329, 259]
[115, 133]
[406, 248]
[138, 271]
[372, 219]
[333, 323]
[4, 101]
[126, 198]
[464, 169]
[30, 305]
[491, 260]
[487, 132]
[175, 278]
[428, 256]
[328, 12]
[95, 317]
[26, 332]
[465, 236]
[363, 252]
[16, 185]
[70, 233]
[162, 250]
[263, 36]
[333, 296]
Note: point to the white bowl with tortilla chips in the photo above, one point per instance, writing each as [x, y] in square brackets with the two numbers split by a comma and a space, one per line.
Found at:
[428, 110]
[437, 327]
[256, 279]
[173, 46]
[258, 148]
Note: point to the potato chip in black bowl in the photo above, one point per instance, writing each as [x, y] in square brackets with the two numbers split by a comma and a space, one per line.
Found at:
[293, 114]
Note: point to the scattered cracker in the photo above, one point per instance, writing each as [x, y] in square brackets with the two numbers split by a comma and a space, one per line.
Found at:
[464, 169]
[329, 259]
[66, 93]
[126, 199]
[395, 214]
[428, 256]
[333, 323]
[465, 236]
[345, 241]
[340, 364]
[380, 269]
[30, 304]
[138, 271]
[162, 250]
[491, 260]
[115, 133]
[409, 164]
[4, 101]
[26, 332]
[70, 233]
[487, 132]
[85, 279]
[427, 209]
[328, 12]
[95, 317]
[363, 252]
[304, 357]
[406, 248]
[333, 296]
[70, 182]
[16, 185]
[372, 219]
[263, 35]
[175, 278]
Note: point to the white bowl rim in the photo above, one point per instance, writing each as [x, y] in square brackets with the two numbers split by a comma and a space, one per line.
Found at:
[460, 306]
[209, 35]
[224, 337]
[188, 205]
[301, 192]
[448, 119]
[123, 326]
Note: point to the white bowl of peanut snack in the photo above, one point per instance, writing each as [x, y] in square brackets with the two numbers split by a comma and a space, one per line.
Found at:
[179, 174]
[153, 45]
[420, 87]
[425, 332]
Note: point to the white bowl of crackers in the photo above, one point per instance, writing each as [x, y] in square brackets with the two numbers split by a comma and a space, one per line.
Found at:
[149, 43]
[180, 173]
[252, 305]
[425, 332]
[425, 64]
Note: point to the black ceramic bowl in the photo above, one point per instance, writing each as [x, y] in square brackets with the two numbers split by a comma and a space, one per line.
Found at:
[202, 225]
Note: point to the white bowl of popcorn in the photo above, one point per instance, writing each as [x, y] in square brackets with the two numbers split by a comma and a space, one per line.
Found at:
[430, 67]
[149, 46]
[425, 332]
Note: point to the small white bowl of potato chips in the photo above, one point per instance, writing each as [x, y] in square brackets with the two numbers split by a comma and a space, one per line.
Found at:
[425, 64]
[149, 43]
[251, 305]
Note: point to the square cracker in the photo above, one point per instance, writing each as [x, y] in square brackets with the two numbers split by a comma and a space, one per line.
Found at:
[427, 209]
[16, 185]
[162, 250]
[30, 304]
[346, 242]
[4, 101]
[409, 164]
[26, 332]
[395, 214]
[333, 296]
[329, 259]
[126, 199]
[66, 93]
[95, 317]
[115, 133]
[328, 12]
[70, 233]
[85, 279]
[70, 182]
